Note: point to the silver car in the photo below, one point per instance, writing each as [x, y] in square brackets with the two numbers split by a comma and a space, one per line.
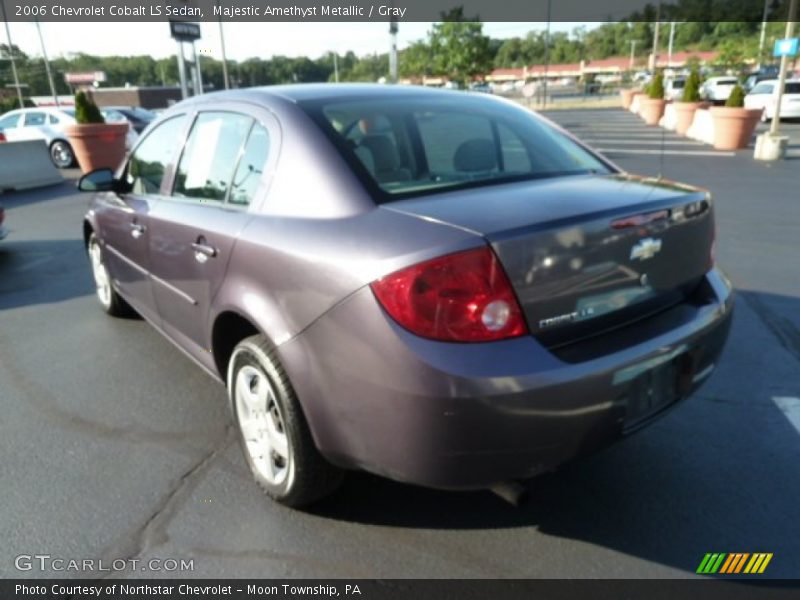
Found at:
[47, 123]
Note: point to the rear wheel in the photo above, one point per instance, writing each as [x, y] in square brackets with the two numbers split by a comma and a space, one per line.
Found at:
[273, 432]
[111, 302]
[61, 154]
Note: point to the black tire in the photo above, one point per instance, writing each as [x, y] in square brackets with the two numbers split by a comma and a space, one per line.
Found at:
[61, 154]
[309, 477]
[110, 301]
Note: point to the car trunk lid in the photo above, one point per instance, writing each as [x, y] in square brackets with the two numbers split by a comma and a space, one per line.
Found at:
[586, 254]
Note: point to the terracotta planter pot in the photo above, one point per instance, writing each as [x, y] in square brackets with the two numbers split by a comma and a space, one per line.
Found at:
[627, 98]
[684, 114]
[652, 109]
[734, 127]
[98, 145]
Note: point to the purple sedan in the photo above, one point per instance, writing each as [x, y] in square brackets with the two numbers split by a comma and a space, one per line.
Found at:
[439, 287]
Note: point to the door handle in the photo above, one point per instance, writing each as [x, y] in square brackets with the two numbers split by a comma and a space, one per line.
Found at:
[202, 251]
[137, 230]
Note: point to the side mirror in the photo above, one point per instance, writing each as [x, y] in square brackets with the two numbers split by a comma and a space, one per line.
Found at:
[99, 180]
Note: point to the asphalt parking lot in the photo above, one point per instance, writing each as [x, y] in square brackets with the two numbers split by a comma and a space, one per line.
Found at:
[116, 446]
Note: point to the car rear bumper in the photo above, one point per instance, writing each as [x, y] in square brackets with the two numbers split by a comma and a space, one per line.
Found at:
[462, 416]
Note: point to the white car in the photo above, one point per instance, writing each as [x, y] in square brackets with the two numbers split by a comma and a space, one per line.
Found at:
[765, 96]
[718, 89]
[47, 123]
[673, 88]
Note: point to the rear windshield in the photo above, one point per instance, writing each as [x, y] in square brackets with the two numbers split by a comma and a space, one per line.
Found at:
[679, 84]
[792, 88]
[423, 145]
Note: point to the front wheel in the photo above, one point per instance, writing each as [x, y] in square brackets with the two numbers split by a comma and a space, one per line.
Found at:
[273, 432]
[61, 154]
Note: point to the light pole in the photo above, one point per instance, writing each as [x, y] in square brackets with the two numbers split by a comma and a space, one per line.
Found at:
[655, 40]
[335, 67]
[393, 53]
[773, 130]
[671, 39]
[47, 65]
[11, 56]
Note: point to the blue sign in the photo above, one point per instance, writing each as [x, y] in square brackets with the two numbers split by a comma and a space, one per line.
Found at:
[786, 47]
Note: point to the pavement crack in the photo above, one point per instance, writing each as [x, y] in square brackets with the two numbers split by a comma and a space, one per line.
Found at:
[782, 328]
[153, 532]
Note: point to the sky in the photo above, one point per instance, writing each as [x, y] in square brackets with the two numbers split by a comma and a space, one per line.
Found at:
[242, 40]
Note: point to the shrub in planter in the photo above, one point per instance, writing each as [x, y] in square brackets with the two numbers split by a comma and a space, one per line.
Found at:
[96, 144]
[733, 124]
[690, 102]
[653, 104]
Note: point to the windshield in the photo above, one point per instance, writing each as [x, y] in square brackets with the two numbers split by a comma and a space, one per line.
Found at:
[422, 145]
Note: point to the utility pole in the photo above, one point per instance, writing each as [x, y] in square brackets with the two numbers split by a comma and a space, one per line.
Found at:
[671, 38]
[47, 65]
[225, 78]
[335, 67]
[773, 130]
[11, 56]
[393, 53]
[633, 53]
[654, 58]
[546, 55]
[763, 37]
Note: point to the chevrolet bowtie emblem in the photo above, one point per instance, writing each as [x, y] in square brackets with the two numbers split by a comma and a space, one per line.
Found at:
[645, 249]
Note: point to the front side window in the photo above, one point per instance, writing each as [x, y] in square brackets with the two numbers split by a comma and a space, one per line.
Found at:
[35, 119]
[212, 151]
[148, 164]
[421, 145]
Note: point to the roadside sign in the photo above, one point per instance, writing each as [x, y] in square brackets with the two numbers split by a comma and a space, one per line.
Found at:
[86, 78]
[786, 47]
[184, 31]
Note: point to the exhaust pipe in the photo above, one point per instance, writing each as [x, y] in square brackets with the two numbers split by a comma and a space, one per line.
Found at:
[511, 491]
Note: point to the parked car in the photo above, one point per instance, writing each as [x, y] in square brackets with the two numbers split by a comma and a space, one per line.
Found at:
[717, 89]
[768, 72]
[765, 96]
[139, 118]
[47, 123]
[41, 123]
[442, 288]
[674, 88]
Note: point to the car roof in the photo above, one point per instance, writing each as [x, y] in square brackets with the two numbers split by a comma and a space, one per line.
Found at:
[300, 92]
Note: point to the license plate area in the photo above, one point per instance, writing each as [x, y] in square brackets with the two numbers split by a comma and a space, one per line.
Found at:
[652, 391]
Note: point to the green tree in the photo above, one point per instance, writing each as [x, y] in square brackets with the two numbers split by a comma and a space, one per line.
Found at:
[460, 50]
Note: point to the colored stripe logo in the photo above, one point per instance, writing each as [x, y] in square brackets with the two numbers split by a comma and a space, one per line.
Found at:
[734, 563]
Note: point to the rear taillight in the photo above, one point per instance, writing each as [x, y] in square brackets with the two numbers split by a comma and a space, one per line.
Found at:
[2, 215]
[462, 297]
[2, 137]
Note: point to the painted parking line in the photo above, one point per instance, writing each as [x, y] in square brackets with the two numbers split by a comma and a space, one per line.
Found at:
[791, 408]
[665, 152]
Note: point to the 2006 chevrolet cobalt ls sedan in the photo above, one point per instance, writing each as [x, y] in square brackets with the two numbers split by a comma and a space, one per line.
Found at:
[438, 287]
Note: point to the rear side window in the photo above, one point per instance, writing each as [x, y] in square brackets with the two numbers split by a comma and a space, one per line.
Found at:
[9, 122]
[147, 165]
[35, 119]
[763, 88]
[53, 120]
[251, 167]
[211, 154]
[422, 145]
[792, 88]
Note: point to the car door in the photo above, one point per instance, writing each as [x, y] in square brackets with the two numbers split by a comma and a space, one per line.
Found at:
[194, 231]
[124, 219]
